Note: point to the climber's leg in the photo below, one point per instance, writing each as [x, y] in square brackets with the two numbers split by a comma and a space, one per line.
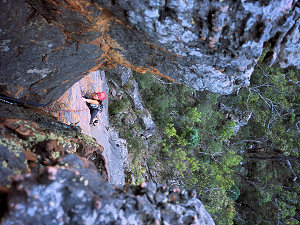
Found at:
[93, 114]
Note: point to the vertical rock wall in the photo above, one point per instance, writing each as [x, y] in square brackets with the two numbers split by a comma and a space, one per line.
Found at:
[114, 148]
[46, 46]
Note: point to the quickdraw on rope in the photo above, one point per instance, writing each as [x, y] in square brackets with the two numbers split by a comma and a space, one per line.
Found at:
[11, 101]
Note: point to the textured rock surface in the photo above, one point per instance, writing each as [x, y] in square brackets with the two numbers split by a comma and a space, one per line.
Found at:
[26, 147]
[41, 180]
[289, 53]
[239, 117]
[117, 157]
[75, 194]
[124, 75]
[46, 46]
[115, 149]
[218, 42]
[38, 60]
[146, 118]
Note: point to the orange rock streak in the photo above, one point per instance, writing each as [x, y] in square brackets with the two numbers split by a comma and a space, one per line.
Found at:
[110, 56]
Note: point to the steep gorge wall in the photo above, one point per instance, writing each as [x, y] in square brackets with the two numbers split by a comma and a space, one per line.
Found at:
[51, 173]
[46, 46]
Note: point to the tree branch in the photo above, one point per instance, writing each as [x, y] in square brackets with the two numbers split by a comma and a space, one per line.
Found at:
[159, 80]
[255, 141]
[291, 169]
[273, 158]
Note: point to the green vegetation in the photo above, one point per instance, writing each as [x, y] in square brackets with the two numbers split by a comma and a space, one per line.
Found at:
[247, 178]
[124, 118]
[194, 142]
[119, 105]
[244, 179]
[269, 145]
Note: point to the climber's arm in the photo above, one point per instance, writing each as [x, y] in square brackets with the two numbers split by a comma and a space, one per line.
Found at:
[95, 102]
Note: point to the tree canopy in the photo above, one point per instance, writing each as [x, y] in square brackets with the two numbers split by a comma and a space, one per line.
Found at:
[248, 177]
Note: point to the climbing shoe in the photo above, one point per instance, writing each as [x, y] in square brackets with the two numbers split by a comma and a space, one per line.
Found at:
[95, 122]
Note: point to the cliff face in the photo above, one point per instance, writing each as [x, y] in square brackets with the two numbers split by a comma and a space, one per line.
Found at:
[52, 172]
[211, 45]
[76, 112]
[73, 193]
[28, 145]
[46, 46]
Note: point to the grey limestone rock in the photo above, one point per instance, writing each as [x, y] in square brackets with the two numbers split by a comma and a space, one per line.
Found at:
[146, 118]
[74, 194]
[218, 42]
[118, 156]
[46, 46]
[133, 92]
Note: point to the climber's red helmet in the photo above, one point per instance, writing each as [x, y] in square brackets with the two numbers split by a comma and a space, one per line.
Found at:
[101, 95]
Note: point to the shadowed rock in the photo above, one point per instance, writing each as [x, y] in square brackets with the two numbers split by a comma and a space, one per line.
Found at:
[46, 46]
[26, 147]
[75, 194]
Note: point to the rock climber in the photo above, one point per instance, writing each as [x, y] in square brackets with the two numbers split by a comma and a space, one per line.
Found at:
[94, 102]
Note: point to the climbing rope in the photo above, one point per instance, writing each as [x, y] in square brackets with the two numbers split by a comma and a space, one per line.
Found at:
[65, 110]
[11, 101]
[7, 99]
